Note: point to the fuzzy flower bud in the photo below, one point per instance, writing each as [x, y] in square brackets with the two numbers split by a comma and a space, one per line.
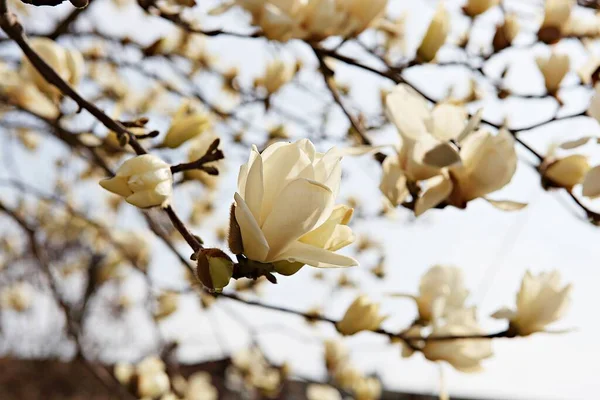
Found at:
[214, 269]
[436, 34]
[362, 315]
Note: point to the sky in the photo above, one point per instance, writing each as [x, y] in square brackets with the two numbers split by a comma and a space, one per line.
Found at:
[493, 248]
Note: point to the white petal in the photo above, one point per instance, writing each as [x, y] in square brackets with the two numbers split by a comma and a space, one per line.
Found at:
[506, 205]
[591, 183]
[408, 110]
[253, 196]
[256, 246]
[301, 206]
[316, 257]
[438, 189]
[448, 121]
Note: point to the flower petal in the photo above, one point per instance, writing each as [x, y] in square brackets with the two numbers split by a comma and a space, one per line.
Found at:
[301, 206]
[438, 189]
[256, 246]
[316, 257]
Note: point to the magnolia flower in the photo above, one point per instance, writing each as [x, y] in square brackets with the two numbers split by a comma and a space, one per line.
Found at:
[67, 63]
[277, 74]
[346, 375]
[554, 69]
[185, 126]
[436, 34]
[152, 380]
[123, 372]
[200, 387]
[556, 17]
[465, 355]
[506, 33]
[540, 302]
[313, 20]
[566, 172]
[284, 208]
[591, 183]
[362, 315]
[441, 291]
[488, 164]
[145, 181]
[198, 148]
[476, 7]
[422, 129]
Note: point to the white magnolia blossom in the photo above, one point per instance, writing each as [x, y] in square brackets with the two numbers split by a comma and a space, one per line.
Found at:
[145, 181]
[312, 20]
[69, 64]
[362, 315]
[540, 301]
[441, 291]
[428, 154]
[285, 207]
[277, 74]
[554, 69]
[465, 355]
[566, 172]
[186, 125]
[436, 34]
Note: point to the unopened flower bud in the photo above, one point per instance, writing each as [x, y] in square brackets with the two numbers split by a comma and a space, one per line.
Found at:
[362, 315]
[214, 269]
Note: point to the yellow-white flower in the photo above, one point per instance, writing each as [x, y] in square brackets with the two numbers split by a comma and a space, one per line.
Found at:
[465, 355]
[566, 172]
[476, 7]
[285, 206]
[423, 129]
[277, 74]
[152, 380]
[362, 315]
[18, 297]
[441, 291]
[145, 181]
[436, 34]
[488, 164]
[554, 69]
[186, 125]
[540, 301]
[67, 63]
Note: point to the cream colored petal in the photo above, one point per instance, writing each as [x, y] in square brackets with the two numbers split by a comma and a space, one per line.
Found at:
[245, 168]
[591, 183]
[280, 167]
[76, 66]
[432, 152]
[299, 208]
[448, 121]
[471, 126]
[141, 164]
[146, 199]
[320, 236]
[117, 185]
[256, 246]
[504, 313]
[148, 180]
[255, 189]
[594, 107]
[573, 144]
[506, 205]
[316, 257]
[569, 171]
[393, 181]
[438, 189]
[408, 111]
